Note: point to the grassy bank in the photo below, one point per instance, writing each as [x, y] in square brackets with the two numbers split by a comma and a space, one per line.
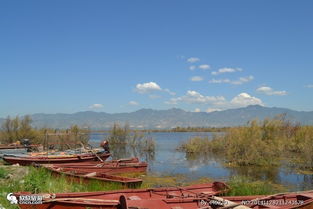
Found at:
[261, 143]
[39, 180]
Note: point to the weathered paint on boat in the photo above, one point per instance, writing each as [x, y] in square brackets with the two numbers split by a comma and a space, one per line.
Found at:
[56, 159]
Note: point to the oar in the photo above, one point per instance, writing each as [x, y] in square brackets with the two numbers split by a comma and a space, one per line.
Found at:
[92, 152]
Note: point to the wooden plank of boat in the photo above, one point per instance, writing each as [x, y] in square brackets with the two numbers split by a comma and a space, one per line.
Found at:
[55, 159]
[78, 175]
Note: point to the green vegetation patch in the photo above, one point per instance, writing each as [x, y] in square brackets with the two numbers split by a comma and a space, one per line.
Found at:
[3, 173]
[240, 185]
[260, 143]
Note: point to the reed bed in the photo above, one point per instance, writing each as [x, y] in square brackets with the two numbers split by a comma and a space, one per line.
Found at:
[271, 142]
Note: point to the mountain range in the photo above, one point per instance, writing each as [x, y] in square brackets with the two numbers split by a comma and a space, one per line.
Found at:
[163, 119]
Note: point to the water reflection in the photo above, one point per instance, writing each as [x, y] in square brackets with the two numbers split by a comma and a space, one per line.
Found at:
[257, 173]
[124, 151]
[167, 160]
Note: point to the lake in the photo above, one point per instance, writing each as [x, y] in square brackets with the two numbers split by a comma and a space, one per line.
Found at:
[168, 161]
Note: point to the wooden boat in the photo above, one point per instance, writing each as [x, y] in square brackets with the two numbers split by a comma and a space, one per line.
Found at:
[85, 176]
[157, 198]
[56, 158]
[164, 200]
[109, 167]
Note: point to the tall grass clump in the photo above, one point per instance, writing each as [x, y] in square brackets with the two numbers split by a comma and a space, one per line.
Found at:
[240, 186]
[261, 143]
[124, 136]
[3, 173]
[13, 130]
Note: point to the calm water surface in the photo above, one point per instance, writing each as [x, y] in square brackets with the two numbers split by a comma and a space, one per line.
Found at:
[168, 161]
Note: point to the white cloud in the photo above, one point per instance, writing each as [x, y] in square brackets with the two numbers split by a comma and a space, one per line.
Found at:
[193, 59]
[193, 97]
[244, 99]
[309, 86]
[204, 67]
[147, 87]
[134, 103]
[192, 67]
[242, 80]
[169, 92]
[96, 106]
[226, 70]
[269, 91]
[213, 109]
[151, 87]
[196, 78]
[197, 110]
[239, 81]
[220, 81]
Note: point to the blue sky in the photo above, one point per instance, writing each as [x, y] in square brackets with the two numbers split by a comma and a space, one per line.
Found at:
[120, 56]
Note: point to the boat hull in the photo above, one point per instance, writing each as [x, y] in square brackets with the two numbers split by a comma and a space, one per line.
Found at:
[175, 198]
[52, 159]
[148, 198]
[106, 168]
[86, 177]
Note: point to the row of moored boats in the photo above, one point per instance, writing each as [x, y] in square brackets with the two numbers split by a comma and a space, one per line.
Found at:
[92, 165]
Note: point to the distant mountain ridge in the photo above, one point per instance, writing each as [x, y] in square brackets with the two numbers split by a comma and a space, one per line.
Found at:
[162, 119]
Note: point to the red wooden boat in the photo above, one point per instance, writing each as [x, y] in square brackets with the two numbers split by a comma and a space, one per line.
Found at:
[157, 198]
[112, 167]
[184, 199]
[56, 158]
[80, 175]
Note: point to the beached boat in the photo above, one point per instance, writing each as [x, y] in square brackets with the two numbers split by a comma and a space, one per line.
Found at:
[159, 198]
[28, 160]
[109, 167]
[87, 176]
[97, 163]
[183, 199]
